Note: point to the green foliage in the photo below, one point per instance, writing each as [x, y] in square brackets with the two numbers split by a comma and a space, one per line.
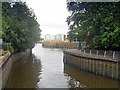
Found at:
[7, 46]
[100, 19]
[20, 26]
[1, 33]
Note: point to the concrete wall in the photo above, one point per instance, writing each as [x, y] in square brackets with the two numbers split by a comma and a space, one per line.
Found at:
[97, 66]
[6, 67]
[0, 78]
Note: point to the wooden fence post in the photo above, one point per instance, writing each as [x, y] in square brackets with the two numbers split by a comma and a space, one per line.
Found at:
[97, 52]
[90, 52]
[105, 54]
[113, 55]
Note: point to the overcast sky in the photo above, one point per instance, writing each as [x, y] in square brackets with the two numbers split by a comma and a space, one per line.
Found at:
[51, 15]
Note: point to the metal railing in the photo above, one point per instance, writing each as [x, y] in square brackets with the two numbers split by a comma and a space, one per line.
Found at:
[114, 55]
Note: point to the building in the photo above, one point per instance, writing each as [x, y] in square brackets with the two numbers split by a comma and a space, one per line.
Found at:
[60, 37]
[49, 37]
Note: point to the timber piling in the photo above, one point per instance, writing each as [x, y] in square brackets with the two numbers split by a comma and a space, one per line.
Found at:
[97, 64]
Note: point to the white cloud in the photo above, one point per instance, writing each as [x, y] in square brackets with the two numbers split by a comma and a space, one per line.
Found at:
[12, 0]
[51, 15]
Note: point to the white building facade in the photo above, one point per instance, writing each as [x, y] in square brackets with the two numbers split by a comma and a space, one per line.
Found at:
[60, 37]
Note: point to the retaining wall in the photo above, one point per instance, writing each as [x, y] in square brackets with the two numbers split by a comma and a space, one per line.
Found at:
[6, 67]
[98, 65]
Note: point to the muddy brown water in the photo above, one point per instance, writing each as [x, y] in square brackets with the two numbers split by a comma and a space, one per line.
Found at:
[45, 69]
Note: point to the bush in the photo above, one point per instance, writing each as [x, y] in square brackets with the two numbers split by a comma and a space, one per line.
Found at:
[7, 46]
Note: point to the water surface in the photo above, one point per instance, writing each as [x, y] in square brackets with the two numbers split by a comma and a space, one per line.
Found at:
[45, 69]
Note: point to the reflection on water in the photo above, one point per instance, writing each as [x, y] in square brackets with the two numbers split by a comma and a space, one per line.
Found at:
[52, 67]
[25, 73]
[78, 78]
[45, 69]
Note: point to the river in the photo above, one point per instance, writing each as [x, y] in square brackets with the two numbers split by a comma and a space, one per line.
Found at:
[45, 69]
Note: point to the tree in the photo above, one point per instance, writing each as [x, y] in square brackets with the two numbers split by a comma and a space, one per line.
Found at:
[20, 26]
[101, 20]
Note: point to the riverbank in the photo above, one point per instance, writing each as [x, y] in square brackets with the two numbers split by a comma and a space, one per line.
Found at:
[7, 63]
[99, 65]
[45, 69]
[4, 73]
[60, 44]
